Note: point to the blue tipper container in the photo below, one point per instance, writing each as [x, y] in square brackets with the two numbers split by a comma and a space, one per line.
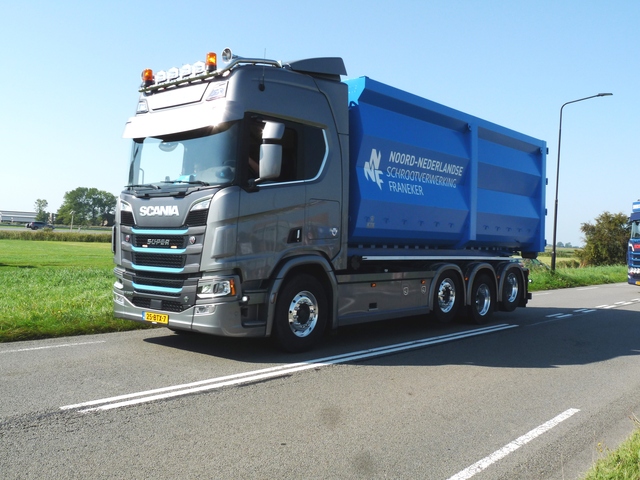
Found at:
[428, 176]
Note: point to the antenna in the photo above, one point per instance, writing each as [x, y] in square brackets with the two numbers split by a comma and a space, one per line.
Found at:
[261, 87]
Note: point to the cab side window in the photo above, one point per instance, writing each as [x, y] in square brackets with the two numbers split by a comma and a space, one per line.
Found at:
[303, 150]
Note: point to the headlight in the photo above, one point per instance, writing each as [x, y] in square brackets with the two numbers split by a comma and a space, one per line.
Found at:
[202, 205]
[216, 287]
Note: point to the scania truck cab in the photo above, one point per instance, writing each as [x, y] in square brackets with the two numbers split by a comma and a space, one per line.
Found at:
[226, 183]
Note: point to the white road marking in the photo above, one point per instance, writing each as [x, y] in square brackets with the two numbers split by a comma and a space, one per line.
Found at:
[559, 315]
[270, 373]
[513, 446]
[51, 346]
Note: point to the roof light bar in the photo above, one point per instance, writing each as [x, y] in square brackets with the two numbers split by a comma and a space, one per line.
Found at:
[198, 71]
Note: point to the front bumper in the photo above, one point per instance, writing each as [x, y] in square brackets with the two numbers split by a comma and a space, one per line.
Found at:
[222, 319]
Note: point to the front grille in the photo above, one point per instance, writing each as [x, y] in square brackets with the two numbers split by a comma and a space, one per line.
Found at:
[151, 281]
[158, 248]
[166, 294]
[170, 306]
[167, 305]
[159, 260]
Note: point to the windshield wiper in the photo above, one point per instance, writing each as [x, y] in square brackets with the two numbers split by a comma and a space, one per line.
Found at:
[144, 185]
[192, 182]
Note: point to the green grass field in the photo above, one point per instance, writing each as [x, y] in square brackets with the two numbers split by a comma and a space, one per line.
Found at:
[53, 289]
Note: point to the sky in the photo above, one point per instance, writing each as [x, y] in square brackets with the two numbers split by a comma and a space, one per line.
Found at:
[72, 72]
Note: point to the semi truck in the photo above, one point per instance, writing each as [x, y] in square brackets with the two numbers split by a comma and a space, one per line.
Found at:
[633, 251]
[274, 199]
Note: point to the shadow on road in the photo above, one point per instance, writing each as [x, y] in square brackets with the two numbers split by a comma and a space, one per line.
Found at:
[539, 341]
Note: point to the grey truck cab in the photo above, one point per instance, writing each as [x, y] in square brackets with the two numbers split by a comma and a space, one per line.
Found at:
[231, 175]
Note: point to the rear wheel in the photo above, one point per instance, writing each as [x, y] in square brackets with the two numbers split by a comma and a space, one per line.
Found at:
[447, 297]
[301, 313]
[483, 299]
[512, 290]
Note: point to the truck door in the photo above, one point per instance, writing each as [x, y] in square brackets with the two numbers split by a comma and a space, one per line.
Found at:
[290, 212]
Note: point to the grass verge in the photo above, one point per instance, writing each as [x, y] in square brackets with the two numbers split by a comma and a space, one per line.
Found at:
[542, 278]
[620, 464]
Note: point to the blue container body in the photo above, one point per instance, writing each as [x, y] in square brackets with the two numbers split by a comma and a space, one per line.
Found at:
[425, 175]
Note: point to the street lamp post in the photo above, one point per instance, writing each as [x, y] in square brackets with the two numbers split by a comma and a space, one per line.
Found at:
[555, 212]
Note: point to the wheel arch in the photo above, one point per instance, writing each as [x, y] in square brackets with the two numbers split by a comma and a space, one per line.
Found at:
[472, 272]
[502, 278]
[438, 269]
[315, 265]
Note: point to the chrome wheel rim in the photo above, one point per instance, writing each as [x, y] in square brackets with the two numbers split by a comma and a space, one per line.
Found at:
[512, 287]
[483, 299]
[303, 314]
[446, 295]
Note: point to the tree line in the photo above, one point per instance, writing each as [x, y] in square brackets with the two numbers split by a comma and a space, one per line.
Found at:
[82, 206]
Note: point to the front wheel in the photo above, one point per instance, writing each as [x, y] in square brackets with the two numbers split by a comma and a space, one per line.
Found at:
[483, 299]
[301, 313]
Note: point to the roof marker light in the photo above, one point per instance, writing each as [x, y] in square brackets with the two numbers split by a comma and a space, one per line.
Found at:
[212, 62]
[185, 70]
[161, 76]
[198, 68]
[173, 73]
[147, 77]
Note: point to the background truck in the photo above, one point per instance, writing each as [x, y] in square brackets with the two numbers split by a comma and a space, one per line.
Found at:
[272, 199]
[633, 252]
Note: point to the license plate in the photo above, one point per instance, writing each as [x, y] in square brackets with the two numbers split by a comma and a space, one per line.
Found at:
[155, 317]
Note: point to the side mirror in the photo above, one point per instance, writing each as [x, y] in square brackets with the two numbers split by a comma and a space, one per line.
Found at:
[271, 151]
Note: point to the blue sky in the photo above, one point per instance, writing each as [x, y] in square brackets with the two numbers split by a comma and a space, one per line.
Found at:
[72, 69]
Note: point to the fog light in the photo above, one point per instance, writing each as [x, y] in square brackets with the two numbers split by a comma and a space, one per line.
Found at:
[119, 299]
[205, 309]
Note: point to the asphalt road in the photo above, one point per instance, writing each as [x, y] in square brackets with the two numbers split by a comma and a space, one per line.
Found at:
[536, 394]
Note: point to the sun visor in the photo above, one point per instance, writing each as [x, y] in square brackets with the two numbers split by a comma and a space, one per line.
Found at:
[175, 120]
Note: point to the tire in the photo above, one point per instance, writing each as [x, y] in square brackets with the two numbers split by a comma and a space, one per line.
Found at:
[447, 296]
[301, 314]
[483, 299]
[512, 290]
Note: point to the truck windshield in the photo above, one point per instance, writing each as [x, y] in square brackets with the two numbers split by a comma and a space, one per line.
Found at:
[202, 157]
[635, 229]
